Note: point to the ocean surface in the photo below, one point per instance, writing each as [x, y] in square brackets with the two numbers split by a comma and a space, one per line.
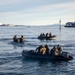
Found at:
[12, 61]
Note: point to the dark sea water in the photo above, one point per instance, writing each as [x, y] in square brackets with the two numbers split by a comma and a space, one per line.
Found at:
[12, 61]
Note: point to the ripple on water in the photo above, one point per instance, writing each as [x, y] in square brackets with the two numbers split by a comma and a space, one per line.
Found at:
[12, 62]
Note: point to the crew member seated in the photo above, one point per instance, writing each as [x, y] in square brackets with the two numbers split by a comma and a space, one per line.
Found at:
[43, 50]
[38, 49]
[47, 49]
[22, 39]
[54, 51]
[15, 39]
[59, 49]
[41, 35]
[50, 34]
[47, 35]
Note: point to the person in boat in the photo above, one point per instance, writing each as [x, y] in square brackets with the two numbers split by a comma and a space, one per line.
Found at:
[15, 39]
[46, 34]
[38, 49]
[43, 50]
[54, 51]
[22, 39]
[43, 35]
[50, 34]
[47, 49]
[59, 49]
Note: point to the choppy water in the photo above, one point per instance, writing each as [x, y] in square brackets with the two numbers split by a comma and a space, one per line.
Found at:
[12, 62]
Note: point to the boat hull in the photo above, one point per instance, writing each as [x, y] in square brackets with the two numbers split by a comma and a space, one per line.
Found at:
[69, 26]
[47, 38]
[32, 54]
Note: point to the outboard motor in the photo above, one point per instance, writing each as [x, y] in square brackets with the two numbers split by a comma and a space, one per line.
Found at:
[66, 55]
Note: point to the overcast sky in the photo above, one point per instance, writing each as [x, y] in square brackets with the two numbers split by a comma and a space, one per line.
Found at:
[36, 12]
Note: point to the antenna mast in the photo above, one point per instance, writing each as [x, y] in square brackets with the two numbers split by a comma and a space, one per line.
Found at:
[60, 24]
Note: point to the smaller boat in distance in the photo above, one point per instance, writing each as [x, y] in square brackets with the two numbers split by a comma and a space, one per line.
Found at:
[70, 24]
[47, 36]
[34, 55]
[18, 40]
[53, 37]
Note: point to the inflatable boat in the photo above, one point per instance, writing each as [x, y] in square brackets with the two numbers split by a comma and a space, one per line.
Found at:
[32, 54]
[47, 38]
[18, 40]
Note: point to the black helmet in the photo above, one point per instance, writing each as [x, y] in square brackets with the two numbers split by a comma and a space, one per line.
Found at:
[58, 45]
